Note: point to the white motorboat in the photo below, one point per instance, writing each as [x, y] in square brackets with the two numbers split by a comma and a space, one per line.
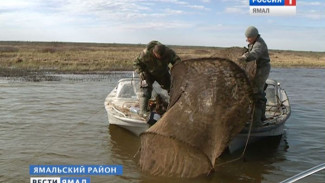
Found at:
[122, 106]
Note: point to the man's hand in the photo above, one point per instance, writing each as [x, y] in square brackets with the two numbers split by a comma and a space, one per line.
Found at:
[245, 50]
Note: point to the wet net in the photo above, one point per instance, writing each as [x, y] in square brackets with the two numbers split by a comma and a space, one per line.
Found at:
[211, 100]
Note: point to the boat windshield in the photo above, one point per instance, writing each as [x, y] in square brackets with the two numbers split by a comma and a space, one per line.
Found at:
[127, 89]
[131, 88]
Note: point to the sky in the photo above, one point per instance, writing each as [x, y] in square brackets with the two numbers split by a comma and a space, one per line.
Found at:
[219, 23]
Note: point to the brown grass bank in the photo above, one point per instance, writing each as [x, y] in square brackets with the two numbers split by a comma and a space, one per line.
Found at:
[90, 57]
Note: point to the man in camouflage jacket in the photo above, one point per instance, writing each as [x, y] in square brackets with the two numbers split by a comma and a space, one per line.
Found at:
[153, 65]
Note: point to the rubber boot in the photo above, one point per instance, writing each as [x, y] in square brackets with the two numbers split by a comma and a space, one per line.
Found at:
[257, 116]
[263, 104]
[145, 95]
[143, 102]
[263, 118]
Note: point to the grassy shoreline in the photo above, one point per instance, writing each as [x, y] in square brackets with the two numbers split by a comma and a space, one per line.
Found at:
[21, 57]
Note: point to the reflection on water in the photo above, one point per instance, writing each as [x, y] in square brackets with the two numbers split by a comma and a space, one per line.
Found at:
[124, 144]
[63, 121]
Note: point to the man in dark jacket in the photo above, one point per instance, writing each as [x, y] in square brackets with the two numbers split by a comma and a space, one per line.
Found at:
[257, 50]
[153, 65]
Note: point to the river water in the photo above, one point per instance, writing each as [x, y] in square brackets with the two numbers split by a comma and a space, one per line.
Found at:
[63, 122]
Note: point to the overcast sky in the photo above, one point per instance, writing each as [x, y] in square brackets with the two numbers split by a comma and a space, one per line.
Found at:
[219, 23]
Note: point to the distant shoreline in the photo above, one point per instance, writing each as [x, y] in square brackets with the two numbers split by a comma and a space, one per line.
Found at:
[19, 58]
[47, 43]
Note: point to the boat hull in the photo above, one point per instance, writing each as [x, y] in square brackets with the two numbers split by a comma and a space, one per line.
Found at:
[237, 142]
[240, 140]
[134, 126]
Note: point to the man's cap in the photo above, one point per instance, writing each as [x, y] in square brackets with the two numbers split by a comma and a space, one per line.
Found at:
[251, 32]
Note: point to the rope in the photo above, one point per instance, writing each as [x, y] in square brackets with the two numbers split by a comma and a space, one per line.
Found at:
[136, 154]
[246, 144]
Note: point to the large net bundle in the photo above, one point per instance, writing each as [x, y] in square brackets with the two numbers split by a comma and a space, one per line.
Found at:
[210, 103]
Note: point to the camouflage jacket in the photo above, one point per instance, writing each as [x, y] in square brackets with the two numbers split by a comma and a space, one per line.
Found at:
[259, 52]
[147, 62]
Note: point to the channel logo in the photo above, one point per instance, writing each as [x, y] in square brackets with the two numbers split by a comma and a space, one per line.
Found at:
[60, 180]
[272, 7]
